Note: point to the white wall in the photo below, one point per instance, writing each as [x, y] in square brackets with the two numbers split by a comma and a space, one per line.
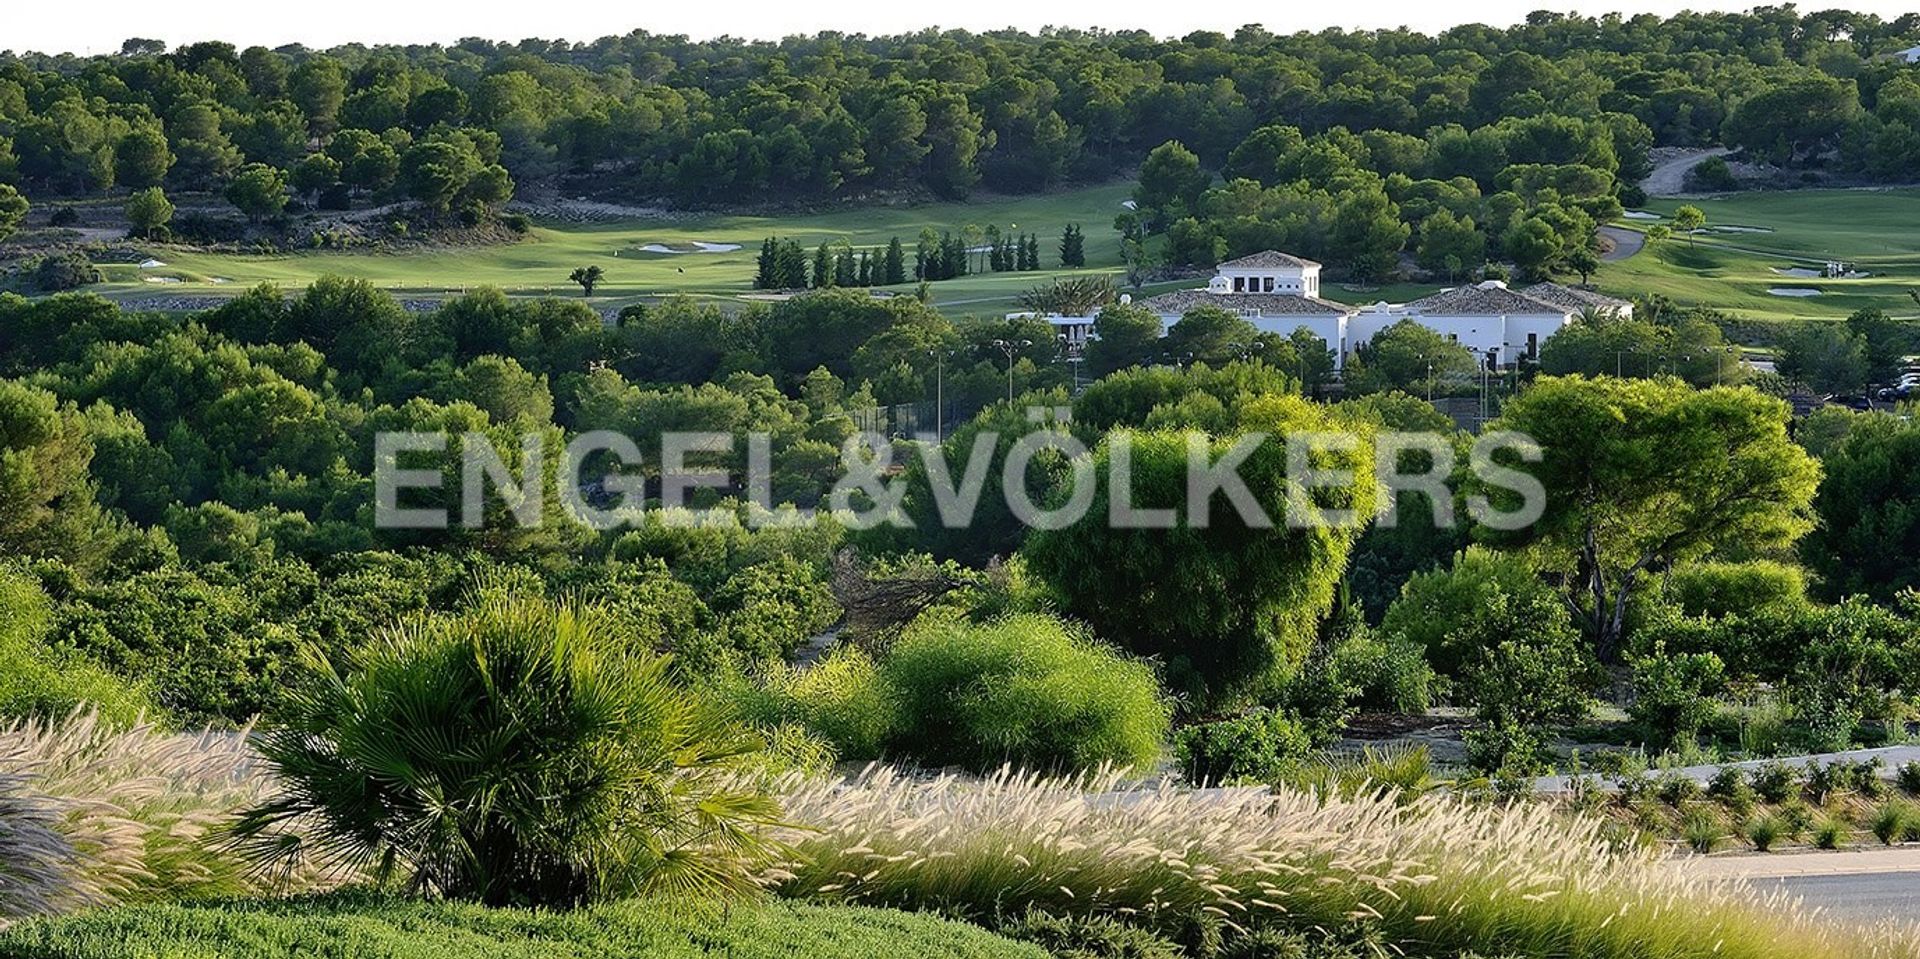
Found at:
[1519, 326]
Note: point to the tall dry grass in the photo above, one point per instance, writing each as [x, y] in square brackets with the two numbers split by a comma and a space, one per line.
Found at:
[93, 814]
[1432, 876]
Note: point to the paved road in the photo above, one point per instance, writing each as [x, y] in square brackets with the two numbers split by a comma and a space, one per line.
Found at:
[1866, 897]
[1670, 178]
[1625, 242]
[1869, 883]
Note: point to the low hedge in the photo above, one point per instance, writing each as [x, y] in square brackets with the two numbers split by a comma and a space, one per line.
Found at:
[356, 926]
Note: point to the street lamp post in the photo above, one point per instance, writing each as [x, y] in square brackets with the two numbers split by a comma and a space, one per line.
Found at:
[939, 394]
[1010, 348]
[1073, 359]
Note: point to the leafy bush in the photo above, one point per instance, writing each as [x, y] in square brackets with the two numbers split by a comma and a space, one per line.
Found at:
[510, 753]
[842, 698]
[1717, 590]
[64, 271]
[361, 925]
[1386, 675]
[1263, 746]
[38, 681]
[1672, 694]
[1776, 781]
[1028, 690]
[1909, 778]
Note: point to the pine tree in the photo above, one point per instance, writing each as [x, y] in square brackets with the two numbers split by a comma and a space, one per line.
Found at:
[924, 254]
[1073, 248]
[791, 266]
[822, 266]
[1032, 249]
[845, 273]
[896, 265]
[865, 272]
[765, 268]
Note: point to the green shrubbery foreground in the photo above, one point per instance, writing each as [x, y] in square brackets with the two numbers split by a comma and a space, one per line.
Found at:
[373, 928]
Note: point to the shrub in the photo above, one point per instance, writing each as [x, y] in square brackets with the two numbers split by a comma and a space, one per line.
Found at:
[1262, 745]
[1909, 778]
[1508, 750]
[842, 698]
[361, 925]
[1676, 788]
[1028, 690]
[1775, 781]
[64, 271]
[1385, 675]
[1672, 695]
[1763, 831]
[1407, 771]
[510, 753]
[38, 681]
[1438, 873]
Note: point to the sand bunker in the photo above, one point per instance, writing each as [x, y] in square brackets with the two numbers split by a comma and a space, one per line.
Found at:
[162, 279]
[1640, 215]
[696, 246]
[1740, 229]
[1792, 291]
[151, 264]
[1798, 272]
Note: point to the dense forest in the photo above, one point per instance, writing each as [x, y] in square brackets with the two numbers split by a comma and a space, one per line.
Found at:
[813, 118]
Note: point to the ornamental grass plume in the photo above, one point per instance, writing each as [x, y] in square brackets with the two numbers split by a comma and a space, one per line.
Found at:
[1434, 875]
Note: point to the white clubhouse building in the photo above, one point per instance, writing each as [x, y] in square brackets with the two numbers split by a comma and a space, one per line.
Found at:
[1279, 293]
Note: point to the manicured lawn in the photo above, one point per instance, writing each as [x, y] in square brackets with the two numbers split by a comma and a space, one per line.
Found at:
[540, 264]
[1874, 231]
[355, 927]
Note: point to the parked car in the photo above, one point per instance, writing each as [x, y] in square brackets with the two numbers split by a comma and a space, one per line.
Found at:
[1861, 403]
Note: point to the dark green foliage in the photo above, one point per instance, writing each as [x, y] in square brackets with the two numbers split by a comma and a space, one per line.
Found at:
[513, 753]
[1672, 695]
[1260, 746]
[1232, 604]
[410, 929]
[1869, 508]
[63, 271]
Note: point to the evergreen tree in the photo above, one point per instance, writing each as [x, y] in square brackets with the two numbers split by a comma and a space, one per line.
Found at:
[1073, 249]
[791, 269]
[845, 273]
[924, 255]
[823, 266]
[766, 267]
[1033, 251]
[896, 264]
[866, 269]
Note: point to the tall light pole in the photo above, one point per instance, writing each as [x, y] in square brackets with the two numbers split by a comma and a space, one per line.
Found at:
[1010, 348]
[939, 393]
[1073, 358]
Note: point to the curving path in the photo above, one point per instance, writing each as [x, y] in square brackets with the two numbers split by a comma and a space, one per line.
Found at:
[1670, 178]
[1624, 242]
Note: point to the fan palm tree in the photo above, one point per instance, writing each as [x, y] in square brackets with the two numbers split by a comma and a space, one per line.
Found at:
[515, 753]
